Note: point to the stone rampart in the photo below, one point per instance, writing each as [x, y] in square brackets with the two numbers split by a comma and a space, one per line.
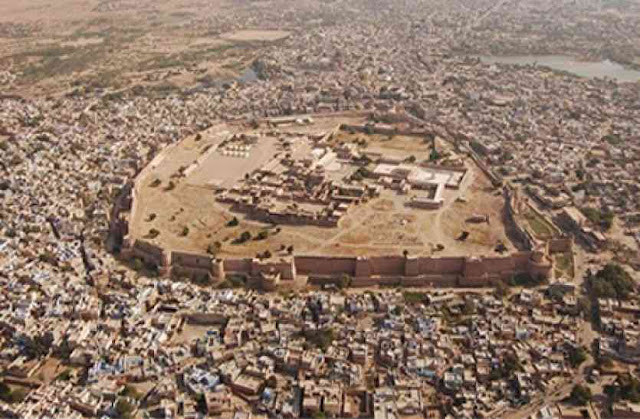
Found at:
[364, 271]
[320, 265]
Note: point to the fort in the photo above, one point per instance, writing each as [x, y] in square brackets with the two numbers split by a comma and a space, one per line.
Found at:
[325, 176]
[363, 271]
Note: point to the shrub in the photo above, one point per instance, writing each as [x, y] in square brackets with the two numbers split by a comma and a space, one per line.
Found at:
[526, 280]
[233, 222]
[202, 280]
[124, 408]
[412, 297]
[345, 281]
[321, 338]
[603, 219]
[580, 395]
[64, 375]
[577, 355]
[233, 281]
[612, 281]
[501, 289]
[245, 236]
[214, 248]
[138, 265]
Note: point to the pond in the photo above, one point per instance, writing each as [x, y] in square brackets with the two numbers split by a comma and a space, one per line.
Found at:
[587, 69]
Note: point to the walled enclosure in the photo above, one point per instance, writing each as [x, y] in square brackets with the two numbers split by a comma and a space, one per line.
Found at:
[363, 271]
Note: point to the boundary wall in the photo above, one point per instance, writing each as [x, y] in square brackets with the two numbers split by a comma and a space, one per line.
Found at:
[363, 271]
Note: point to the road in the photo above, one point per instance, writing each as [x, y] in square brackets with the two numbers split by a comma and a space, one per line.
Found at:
[552, 395]
[558, 392]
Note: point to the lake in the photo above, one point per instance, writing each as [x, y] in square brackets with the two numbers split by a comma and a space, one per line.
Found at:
[587, 69]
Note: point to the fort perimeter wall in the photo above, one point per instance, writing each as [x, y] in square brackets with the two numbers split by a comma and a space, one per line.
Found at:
[363, 271]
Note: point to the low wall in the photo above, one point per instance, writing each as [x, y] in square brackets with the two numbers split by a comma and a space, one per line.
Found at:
[519, 233]
[383, 130]
[495, 180]
[560, 245]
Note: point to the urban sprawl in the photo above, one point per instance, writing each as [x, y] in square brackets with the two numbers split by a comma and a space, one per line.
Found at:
[368, 222]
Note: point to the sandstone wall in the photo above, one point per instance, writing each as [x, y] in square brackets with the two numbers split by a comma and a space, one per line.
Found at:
[387, 265]
[193, 260]
[237, 265]
[519, 233]
[365, 271]
[286, 268]
[495, 179]
[443, 266]
[149, 253]
[319, 265]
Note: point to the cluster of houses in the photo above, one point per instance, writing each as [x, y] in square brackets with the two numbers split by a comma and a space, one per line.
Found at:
[82, 334]
[168, 352]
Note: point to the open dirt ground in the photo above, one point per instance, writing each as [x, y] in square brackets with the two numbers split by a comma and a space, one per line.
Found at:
[54, 47]
[255, 35]
[185, 213]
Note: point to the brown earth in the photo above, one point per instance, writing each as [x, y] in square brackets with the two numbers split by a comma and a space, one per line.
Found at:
[384, 225]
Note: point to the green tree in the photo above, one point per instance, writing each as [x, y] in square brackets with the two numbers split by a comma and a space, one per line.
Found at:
[124, 409]
[64, 375]
[345, 281]
[501, 289]
[245, 236]
[580, 395]
[577, 355]
[612, 281]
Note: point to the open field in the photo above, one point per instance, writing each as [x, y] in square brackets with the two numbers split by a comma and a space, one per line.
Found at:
[56, 47]
[177, 203]
[539, 227]
[255, 35]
